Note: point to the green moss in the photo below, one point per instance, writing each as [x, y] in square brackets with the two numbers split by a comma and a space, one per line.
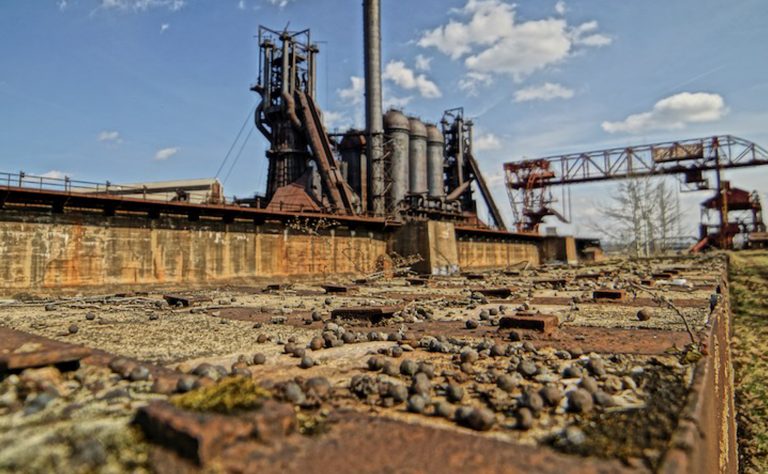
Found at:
[231, 394]
[749, 300]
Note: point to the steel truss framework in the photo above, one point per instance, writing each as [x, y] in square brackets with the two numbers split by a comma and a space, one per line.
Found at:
[529, 181]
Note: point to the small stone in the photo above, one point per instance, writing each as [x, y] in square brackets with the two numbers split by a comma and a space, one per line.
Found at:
[50, 307]
[307, 362]
[524, 418]
[527, 368]
[319, 387]
[580, 401]
[498, 350]
[574, 436]
[185, 383]
[261, 339]
[398, 392]
[444, 410]
[484, 315]
[551, 395]
[612, 384]
[480, 419]
[472, 324]
[348, 338]
[416, 404]
[293, 393]
[316, 343]
[427, 369]
[454, 393]
[589, 384]
[515, 336]
[259, 359]
[139, 373]
[420, 385]
[73, 329]
[289, 348]
[409, 367]
[89, 316]
[390, 368]
[603, 399]
[39, 402]
[316, 316]
[241, 372]
[507, 382]
[375, 363]
[299, 352]
[328, 301]
[155, 317]
[468, 356]
[596, 366]
[533, 401]
[572, 372]
[644, 314]
[397, 351]
[529, 347]
[258, 325]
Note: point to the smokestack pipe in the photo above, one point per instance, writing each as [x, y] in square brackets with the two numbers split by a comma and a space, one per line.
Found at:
[374, 123]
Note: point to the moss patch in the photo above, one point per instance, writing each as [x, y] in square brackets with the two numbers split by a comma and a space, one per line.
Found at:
[232, 394]
[749, 300]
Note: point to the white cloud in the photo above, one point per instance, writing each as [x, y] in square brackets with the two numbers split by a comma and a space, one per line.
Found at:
[473, 81]
[423, 63]
[560, 7]
[55, 174]
[164, 27]
[546, 91]
[492, 42]
[109, 136]
[485, 142]
[400, 74]
[165, 153]
[142, 5]
[671, 113]
[62, 4]
[392, 102]
[353, 94]
[280, 3]
[336, 120]
[241, 5]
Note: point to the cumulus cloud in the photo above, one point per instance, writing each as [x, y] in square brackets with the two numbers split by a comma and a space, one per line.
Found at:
[473, 81]
[485, 142]
[336, 120]
[280, 3]
[142, 5]
[55, 174]
[671, 113]
[109, 136]
[62, 4]
[241, 5]
[560, 7]
[164, 27]
[400, 74]
[546, 91]
[393, 102]
[165, 153]
[353, 94]
[492, 41]
[423, 63]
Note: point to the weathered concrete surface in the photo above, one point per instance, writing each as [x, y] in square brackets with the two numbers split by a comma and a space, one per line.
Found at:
[43, 251]
[434, 241]
[46, 252]
[479, 254]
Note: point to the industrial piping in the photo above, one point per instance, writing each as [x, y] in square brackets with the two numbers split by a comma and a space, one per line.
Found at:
[374, 125]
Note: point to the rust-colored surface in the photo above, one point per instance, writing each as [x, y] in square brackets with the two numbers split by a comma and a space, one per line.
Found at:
[19, 350]
[202, 437]
[544, 323]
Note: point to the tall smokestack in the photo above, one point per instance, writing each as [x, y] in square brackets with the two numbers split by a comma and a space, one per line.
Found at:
[373, 109]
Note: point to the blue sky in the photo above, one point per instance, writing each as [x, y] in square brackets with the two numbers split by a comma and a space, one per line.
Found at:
[140, 90]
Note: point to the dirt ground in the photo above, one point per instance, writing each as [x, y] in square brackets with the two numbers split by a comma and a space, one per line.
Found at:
[749, 300]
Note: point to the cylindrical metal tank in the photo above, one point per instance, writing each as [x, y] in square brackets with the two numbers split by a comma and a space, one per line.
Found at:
[397, 129]
[417, 157]
[351, 150]
[435, 150]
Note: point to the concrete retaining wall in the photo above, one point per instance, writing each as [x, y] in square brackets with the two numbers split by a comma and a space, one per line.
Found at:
[43, 251]
[480, 254]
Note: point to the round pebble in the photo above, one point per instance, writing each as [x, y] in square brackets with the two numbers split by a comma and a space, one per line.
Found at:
[454, 393]
[259, 359]
[580, 401]
[89, 316]
[524, 418]
[551, 395]
[306, 362]
[416, 404]
[472, 324]
[409, 367]
[73, 329]
[644, 314]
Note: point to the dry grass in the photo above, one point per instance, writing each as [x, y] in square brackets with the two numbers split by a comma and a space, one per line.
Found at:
[749, 297]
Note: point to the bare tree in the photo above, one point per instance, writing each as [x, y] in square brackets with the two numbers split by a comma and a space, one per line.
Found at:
[642, 216]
